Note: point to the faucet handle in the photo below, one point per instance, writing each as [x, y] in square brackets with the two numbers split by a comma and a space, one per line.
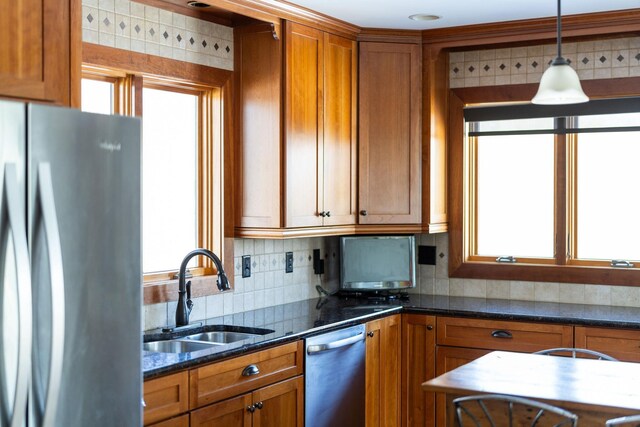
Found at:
[223, 282]
[189, 302]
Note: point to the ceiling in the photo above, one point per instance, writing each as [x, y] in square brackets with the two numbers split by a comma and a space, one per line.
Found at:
[394, 13]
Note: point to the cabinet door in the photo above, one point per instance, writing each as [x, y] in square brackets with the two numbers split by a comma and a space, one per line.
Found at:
[303, 122]
[181, 421]
[418, 366]
[233, 412]
[166, 397]
[447, 359]
[623, 344]
[339, 145]
[280, 405]
[35, 52]
[383, 379]
[390, 131]
[258, 64]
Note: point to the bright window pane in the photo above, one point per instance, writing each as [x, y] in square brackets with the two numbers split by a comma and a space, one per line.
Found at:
[170, 137]
[515, 195]
[608, 208]
[97, 96]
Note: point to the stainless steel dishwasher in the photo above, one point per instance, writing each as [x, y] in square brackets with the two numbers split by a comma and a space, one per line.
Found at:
[334, 378]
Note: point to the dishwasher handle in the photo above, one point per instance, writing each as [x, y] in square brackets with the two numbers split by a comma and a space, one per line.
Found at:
[319, 348]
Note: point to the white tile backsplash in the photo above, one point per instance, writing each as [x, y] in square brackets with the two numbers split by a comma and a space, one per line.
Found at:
[128, 21]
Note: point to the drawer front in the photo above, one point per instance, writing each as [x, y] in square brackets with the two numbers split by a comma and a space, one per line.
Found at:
[502, 335]
[623, 344]
[239, 375]
[166, 397]
[181, 421]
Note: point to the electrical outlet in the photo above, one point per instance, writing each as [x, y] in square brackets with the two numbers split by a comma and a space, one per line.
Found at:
[318, 263]
[246, 266]
[288, 265]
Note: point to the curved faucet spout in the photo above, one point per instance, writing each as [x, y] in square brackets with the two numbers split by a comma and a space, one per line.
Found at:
[184, 288]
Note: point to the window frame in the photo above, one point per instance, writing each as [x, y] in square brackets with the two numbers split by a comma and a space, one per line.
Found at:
[563, 269]
[128, 101]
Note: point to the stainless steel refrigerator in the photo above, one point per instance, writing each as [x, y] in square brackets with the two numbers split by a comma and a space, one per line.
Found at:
[70, 265]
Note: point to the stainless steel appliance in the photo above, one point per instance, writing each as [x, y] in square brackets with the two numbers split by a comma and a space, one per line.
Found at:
[334, 378]
[70, 265]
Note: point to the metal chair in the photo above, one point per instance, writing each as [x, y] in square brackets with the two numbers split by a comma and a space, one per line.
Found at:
[497, 410]
[629, 421]
[575, 352]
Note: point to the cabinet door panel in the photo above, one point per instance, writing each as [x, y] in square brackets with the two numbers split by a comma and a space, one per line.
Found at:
[303, 121]
[166, 397]
[282, 404]
[619, 343]
[228, 413]
[258, 62]
[447, 359]
[340, 155]
[390, 126]
[34, 55]
[383, 378]
[419, 365]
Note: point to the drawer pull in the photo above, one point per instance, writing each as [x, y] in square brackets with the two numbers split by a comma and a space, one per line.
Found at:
[250, 370]
[501, 333]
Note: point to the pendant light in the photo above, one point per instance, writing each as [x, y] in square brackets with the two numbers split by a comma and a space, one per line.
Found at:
[560, 83]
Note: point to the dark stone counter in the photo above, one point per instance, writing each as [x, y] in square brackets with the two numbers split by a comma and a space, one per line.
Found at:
[301, 319]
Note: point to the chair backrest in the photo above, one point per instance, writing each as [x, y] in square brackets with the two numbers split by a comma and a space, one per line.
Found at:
[574, 352]
[498, 410]
[629, 421]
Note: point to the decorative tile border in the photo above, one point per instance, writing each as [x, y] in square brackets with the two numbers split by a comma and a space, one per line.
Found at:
[602, 59]
[128, 25]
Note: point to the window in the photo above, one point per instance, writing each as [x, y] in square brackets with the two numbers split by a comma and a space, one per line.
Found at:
[548, 186]
[181, 128]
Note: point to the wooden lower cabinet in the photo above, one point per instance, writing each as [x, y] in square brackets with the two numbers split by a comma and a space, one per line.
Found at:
[181, 421]
[418, 365]
[383, 372]
[623, 344]
[166, 397]
[447, 359]
[277, 405]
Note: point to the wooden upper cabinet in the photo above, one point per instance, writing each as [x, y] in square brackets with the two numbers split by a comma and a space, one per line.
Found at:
[340, 120]
[258, 64]
[303, 123]
[320, 117]
[297, 150]
[390, 154]
[35, 51]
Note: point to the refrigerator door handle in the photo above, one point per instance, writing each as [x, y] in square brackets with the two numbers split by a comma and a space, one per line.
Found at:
[16, 221]
[46, 199]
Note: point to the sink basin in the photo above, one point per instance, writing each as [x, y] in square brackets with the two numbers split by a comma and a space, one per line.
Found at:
[221, 337]
[176, 346]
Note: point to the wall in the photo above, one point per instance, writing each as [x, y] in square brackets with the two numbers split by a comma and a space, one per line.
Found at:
[128, 25]
[268, 285]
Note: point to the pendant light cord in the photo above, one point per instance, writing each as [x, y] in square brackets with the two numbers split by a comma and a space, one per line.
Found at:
[559, 27]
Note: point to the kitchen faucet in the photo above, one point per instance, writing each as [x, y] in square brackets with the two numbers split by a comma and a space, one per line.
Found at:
[184, 290]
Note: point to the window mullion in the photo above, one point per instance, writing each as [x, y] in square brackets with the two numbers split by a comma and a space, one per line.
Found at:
[561, 193]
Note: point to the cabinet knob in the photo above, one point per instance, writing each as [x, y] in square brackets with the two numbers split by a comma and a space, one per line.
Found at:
[322, 214]
[259, 405]
[370, 334]
[363, 212]
[250, 370]
[251, 408]
[327, 214]
[429, 327]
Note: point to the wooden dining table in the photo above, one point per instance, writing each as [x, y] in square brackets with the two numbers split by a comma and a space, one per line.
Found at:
[595, 390]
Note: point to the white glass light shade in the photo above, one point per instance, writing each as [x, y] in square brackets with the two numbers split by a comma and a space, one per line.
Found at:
[560, 85]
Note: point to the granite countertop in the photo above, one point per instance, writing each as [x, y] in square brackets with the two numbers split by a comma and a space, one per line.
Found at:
[301, 319]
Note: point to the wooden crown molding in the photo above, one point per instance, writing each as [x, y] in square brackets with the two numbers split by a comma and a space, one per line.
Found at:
[390, 36]
[606, 23]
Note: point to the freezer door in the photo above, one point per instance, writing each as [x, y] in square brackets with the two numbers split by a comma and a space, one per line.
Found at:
[85, 239]
[15, 285]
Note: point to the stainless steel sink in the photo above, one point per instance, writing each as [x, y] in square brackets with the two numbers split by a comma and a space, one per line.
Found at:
[176, 346]
[221, 337]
